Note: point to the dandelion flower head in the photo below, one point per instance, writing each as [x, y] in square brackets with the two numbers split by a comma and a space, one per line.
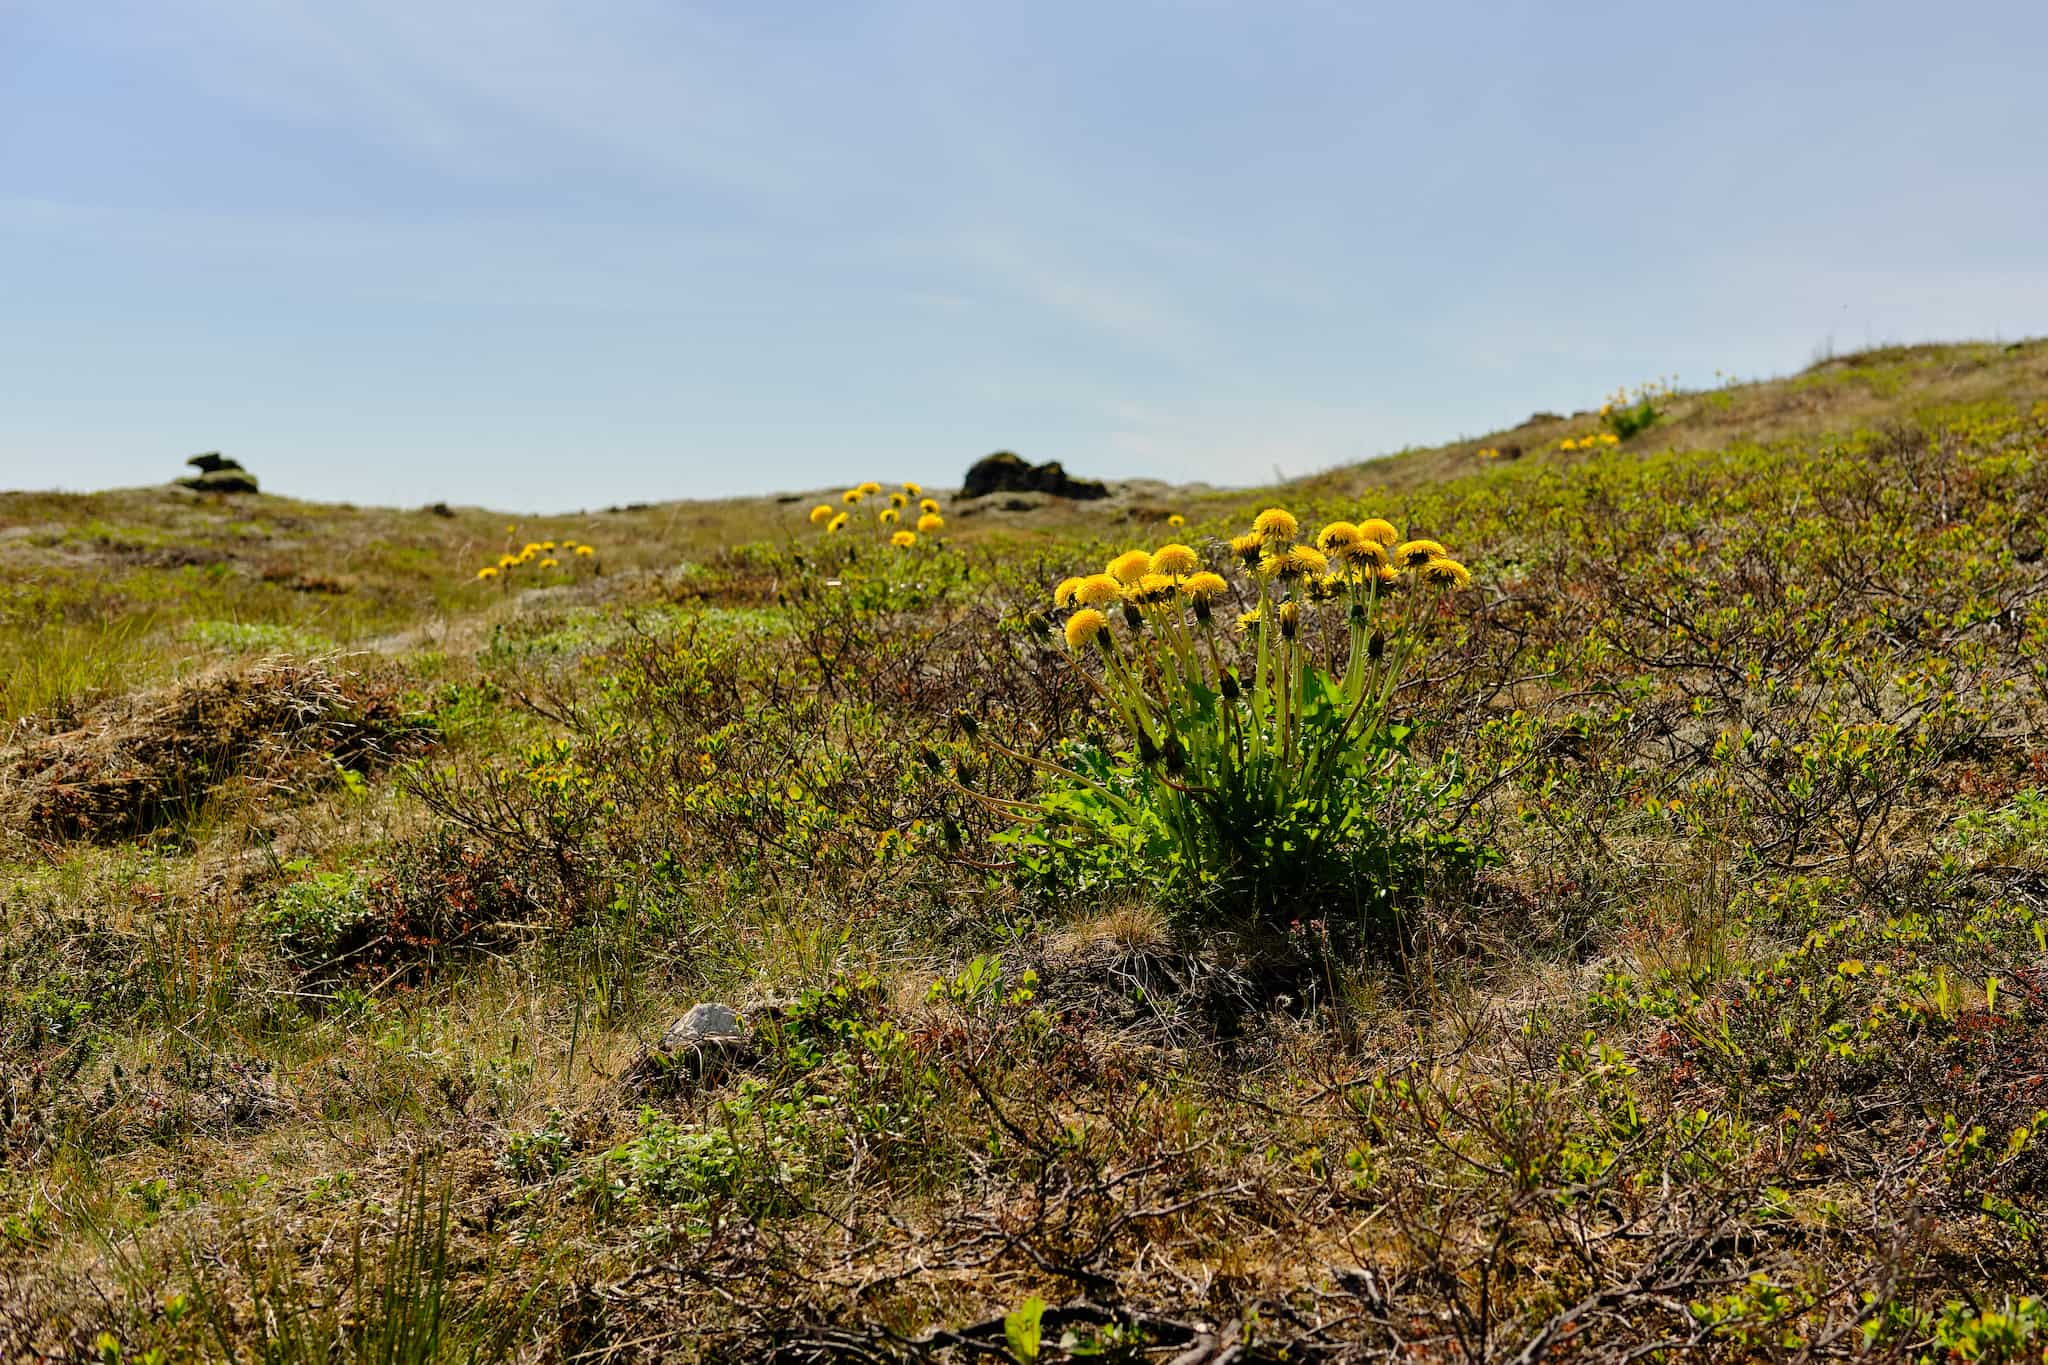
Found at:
[487, 571]
[585, 550]
[887, 515]
[915, 490]
[836, 525]
[1177, 560]
[1276, 526]
[1333, 539]
[1085, 626]
[928, 505]
[1098, 590]
[1446, 573]
[821, 514]
[1413, 554]
[1380, 529]
[1064, 594]
[1205, 587]
[1176, 520]
[903, 540]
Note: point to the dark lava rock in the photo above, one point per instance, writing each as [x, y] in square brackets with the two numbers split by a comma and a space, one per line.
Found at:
[212, 462]
[1004, 472]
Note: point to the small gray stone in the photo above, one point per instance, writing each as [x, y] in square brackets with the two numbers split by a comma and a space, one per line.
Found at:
[709, 1025]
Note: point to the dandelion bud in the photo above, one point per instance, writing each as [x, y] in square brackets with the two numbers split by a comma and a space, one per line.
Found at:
[1202, 610]
[1357, 613]
[1376, 646]
[1176, 755]
[1148, 752]
[929, 759]
[964, 772]
[1290, 619]
[1232, 690]
[951, 832]
[968, 725]
[1134, 618]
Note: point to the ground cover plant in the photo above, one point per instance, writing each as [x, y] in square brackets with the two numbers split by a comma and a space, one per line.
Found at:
[1627, 940]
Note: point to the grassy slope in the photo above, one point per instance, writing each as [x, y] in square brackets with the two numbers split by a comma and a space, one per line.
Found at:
[202, 1116]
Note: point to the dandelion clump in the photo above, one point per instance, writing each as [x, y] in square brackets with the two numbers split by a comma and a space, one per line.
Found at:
[889, 522]
[1245, 779]
[536, 556]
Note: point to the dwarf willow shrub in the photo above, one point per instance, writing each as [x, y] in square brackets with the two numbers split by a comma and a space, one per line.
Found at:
[1251, 788]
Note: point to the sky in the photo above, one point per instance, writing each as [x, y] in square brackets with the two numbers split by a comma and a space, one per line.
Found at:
[552, 254]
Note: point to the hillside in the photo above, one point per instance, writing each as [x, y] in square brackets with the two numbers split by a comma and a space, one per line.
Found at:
[1659, 966]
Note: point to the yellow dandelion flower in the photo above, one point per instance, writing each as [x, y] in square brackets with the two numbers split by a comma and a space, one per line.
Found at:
[821, 514]
[1130, 566]
[887, 515]
[551, 563]
[585, 550]
[1446, 573]
[1205, 587]
[547, 545]
[1379, 529]
[1084, 627]
[531, 547]
[851, 496]
[870, 487]
[1335, 537]
[1247, 547]
[508, 561]
[897, 500]
[487, 571]
[836, 525]
[1064, 594]
[1098, 590]
[1177, 560]
[1276, 526]
[1326, 586]
[1153, 587]
[915, 490]
[903, 540]
[1413, 554]
[1608, 438]
[1387, 573]
[930, 522]
[1363, 552]
[1176, 520]
[1295, 561]
[1248, 620]
[928, 505]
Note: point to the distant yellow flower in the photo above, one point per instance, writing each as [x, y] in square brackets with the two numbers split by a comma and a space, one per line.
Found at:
[1276, 526]
[1413, 554]
[930, 522]
[887, 515]
[547, 545]
[585, 550]
[1176, 560]
[1064, 594]
[1380, 529]
[532, 547]
[568, 544]
[1084, 627]
[487, 571]
[903, 540]
[897, 500]
[1332, 539]
[1098, 590]
[928, 505]
[551, 563]
[1130, 566]
[851, 496]
[508, 561]
[1176, 520]
[1446, 573]
[1205, 587]
[836, 525]
[869, 487]
[821, 514]
[1608, 438]
[915, 490]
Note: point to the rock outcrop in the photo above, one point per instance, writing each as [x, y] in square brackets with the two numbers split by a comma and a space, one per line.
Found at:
[218, 474]
[1005, 472]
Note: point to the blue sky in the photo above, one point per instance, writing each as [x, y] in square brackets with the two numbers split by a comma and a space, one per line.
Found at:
[543, 255]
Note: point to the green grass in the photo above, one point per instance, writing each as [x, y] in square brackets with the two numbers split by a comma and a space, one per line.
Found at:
[1732, 1052]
